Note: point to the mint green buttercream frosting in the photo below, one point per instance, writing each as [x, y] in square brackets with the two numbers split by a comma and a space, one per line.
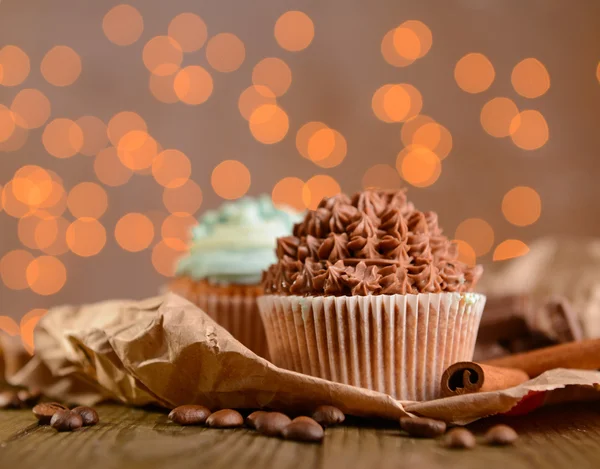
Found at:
[234, 244]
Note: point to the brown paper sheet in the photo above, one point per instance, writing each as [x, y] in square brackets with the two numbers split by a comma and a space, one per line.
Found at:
[165, 351]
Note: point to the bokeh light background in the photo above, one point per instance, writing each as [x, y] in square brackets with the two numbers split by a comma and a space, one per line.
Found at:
[121, 122]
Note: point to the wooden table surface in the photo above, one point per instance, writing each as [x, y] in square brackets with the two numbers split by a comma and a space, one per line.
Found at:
[553, 437]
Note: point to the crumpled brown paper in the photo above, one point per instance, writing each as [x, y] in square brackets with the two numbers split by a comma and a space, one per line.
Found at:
[165, 351]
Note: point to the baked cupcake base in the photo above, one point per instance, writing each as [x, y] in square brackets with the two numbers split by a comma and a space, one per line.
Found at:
[396, 344]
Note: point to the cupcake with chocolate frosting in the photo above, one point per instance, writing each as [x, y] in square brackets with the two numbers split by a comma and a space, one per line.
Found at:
[369, 292]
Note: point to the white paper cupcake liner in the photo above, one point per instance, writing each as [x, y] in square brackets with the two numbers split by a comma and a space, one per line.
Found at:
[396, 344]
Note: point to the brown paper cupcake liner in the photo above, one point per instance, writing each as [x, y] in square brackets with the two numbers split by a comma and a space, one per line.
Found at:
[395, 344]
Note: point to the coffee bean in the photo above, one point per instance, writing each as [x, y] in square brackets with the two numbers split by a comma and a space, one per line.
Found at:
[422, 427]
[303, 429]
[272, 423]
[66, 421]
[458, 438]
[44, 411]
[10, 400]
[253, 417]
[29, 397]
[189, 414]
[327, 415]
[501, 435]
[88, 415]
[226, 418]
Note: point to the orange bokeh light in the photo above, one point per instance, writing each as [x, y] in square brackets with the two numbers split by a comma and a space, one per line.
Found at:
[304, 135]
[522, 206]
[389, 52]
[411, 40]
[497, 115]
[137, 150]
[171, 168]
[321, 144]
[162, 55]
[183, 199]
[230, 179]
[15, 65]
[434, 136]
[17, 138]
[87, 199]
[253, 97]
[396, 103]
[13, 268]
[474, 73]
[32, 185]
[123, 25]
[269, 124]
[164, 258]
[95, 137]
[294, 31]
[123, 123]
[418, 166]
[225, 52]
[529, 130]
[163, 88]
[530, 78]
[86, 237]
[287, 192]
[46, 275]
[62, 138]
[13, 206]
[45, 231]
[27, 326]
[411, 126]
[193, 85]
[50, 241]
[61, 66]
[381, 176]
[176, 230]
[7, 123]
[510, 249]
[318, 187]
[337, 153]
[466, 253]
[274, 74]
[478, 233]
[134, 232]
[31, 108]
[109, 169]
[189, 30]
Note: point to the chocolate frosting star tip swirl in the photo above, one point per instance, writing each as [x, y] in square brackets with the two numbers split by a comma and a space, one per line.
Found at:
[372, 243]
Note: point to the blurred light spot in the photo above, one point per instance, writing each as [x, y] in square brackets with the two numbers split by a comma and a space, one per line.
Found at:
[26, 230]
[418, 166]
[396, 103]
[434, 136]
[15, 65]
[321, 144]
[408, 49]
[95, 137]
[230, 179]
[294, 31]
[530, 78]
[62, 138]
[522, 206]
[162, 55]
[474, 73]
[7, 123]
[52, 242]
[193, 85]
[389, 52]
[171, 168]
[163, 88]
[46, 275]
[253, 97]
[27, 326]
[497, 115]
[331, 158]
[529, 130]
[510, 249]
[478, 233]
[287, 192]
[273, 73]
[176, 230]
[12, 206]
[123, 25]
[9, 326]
[137, 150]
[87, 199]
[269, 124]
[86, 237]
[16, 140]
[61, 66]
[31, 108]
[466, 253]
[134, 232]
[109, 169]
[13, 268]
[32, 185]
[56, 203]
[381, 176]
[318, 187]
[122, 123]
[411, 126]
[183, 199]
[304, 135]
[164, 258]
[225, 52]
[189, 30]
[45, 231]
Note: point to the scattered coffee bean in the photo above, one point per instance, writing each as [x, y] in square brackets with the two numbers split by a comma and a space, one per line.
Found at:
[226, 418]
[459, 438]
[272, 423]
[501, 435]
[29, 397]
[303, 429]
[88, 415]
[253, 417]
[327, 415]
[189, 414]
[422, 427]
[44, 411]
[66, 421]
[9, 400]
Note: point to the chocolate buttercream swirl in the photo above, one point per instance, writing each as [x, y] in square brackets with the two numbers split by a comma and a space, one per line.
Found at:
[373, 243]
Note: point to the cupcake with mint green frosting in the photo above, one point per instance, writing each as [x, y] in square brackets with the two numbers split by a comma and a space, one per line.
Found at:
[230, 248]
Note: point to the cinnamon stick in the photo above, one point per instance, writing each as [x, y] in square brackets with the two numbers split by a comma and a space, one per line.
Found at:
[581, 355]
[470, 377]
